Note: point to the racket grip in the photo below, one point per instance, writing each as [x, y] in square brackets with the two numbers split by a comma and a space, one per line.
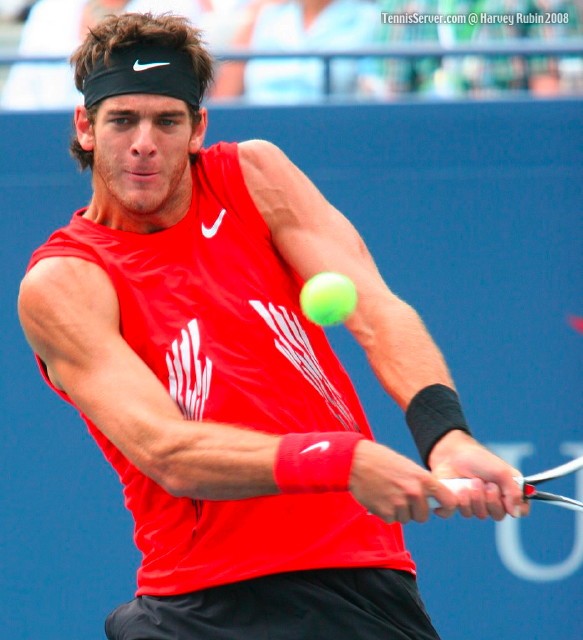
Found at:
[457, 484]
[453, 484]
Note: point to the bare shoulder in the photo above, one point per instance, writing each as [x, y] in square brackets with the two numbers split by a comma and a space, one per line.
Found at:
[308, 231]
[63, 303]
[257, 146]
[56, 282]
[283, 194]
[261, 155]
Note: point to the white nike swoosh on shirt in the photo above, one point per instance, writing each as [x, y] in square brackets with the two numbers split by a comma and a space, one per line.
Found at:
[322, 446]
[149, 65]
[209, 232]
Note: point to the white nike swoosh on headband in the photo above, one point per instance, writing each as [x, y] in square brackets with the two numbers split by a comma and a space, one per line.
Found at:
[149, 65]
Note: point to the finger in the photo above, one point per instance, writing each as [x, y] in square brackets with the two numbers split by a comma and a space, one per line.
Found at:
[419, 509]
[494, 504]
[444, 513]
[520, 510]
[512, 497]
[402, 514]
[447, 499]
[478, 501]
[464, 498]
[446, 507]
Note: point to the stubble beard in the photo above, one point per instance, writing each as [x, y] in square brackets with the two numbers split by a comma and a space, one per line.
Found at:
[141, 202]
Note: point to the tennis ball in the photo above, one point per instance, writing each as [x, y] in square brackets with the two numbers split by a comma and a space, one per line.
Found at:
[328, 298]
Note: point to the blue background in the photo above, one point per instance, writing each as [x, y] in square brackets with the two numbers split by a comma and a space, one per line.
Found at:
[473, 212]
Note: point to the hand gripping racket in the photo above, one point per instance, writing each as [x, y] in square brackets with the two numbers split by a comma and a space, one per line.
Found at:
[528, 486]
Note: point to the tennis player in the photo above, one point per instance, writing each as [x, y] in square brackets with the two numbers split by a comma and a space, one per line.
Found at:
[167, 312]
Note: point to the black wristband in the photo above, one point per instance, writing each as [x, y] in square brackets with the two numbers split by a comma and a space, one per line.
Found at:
[433, 412]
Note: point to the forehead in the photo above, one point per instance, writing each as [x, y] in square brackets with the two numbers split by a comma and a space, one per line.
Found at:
[144, 103]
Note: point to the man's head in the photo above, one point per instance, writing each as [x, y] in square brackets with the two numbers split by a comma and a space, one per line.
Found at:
[141, 54]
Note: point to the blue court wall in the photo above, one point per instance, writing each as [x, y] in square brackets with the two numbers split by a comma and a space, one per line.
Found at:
[473, 213]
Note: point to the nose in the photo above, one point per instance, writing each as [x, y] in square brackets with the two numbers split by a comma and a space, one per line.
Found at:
[143, 143]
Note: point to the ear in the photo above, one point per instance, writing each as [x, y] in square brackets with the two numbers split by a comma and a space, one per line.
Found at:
[198, 132]
[84, 129]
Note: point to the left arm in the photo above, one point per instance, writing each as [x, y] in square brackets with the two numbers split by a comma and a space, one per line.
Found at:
[312, 236]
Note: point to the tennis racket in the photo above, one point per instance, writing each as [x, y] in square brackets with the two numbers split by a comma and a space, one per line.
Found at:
[528, 485]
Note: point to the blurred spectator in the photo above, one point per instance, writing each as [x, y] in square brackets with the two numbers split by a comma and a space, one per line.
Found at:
[489, 76]
[54, 28]
[14, 10]
[406, 75]
[221, 20]
[541, 74]
[548, 76]
[480, 76]
[298, 25]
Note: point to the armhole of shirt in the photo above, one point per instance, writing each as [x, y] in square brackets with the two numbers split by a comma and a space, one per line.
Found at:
[59, 249]
[222, 161]
[63, 248]
[45, 374]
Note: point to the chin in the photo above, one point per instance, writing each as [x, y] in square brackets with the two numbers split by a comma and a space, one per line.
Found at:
[143, 205]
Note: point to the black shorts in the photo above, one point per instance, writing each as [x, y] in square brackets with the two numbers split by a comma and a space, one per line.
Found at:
[326, 604]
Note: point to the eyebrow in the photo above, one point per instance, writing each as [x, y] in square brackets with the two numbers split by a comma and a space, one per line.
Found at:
[132, 112]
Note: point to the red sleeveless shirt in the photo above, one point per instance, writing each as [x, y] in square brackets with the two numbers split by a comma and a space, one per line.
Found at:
[213, 310]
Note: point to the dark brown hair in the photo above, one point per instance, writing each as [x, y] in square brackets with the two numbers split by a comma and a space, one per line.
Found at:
[115, 32]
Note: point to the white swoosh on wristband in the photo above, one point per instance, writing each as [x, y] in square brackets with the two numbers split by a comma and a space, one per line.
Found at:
[322, 446]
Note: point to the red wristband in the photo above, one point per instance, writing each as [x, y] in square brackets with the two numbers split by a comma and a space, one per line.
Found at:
[315, 462]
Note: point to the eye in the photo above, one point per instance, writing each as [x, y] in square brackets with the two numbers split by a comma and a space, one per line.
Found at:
[167, 122]
[120, 121]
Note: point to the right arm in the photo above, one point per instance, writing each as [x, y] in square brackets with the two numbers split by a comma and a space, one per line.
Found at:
[70, 314]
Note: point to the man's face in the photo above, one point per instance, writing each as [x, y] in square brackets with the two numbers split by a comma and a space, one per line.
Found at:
[141, 146]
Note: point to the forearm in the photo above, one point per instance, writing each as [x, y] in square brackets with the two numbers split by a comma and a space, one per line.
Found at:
[195, 459]
[213, 461]
[202, 460]
[400, 350]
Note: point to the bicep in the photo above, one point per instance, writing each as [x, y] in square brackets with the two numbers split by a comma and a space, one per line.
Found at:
[307, 230]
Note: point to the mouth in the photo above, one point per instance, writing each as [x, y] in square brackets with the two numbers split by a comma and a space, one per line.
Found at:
[142, 176]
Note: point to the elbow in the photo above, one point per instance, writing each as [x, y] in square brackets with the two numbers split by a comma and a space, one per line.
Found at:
[168, 470]
[176, 487]
[177, 484]
[376, 315]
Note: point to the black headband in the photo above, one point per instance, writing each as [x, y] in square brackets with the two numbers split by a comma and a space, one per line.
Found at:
[144, 68]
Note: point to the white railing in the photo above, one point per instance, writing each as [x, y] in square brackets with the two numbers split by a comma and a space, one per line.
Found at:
[522, 48]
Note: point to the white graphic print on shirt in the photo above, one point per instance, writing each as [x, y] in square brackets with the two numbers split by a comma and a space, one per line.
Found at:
[189, 375]
[291, 340]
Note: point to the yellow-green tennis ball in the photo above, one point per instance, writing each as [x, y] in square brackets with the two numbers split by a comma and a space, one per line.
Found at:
[328, 298]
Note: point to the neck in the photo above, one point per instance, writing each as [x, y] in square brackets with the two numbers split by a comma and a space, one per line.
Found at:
[135, 215]
[132, 222]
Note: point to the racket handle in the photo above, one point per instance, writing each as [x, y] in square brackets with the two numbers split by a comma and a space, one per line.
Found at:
[457, 484]
[453, 484]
